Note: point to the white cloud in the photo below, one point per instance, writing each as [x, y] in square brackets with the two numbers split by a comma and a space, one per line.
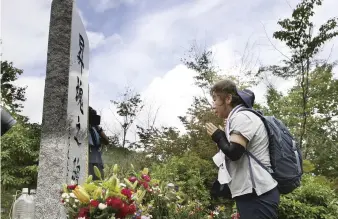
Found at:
[33, 106]
[103, 5]
[145, 53]
[173, 94]
[25, 31]
[95, 39]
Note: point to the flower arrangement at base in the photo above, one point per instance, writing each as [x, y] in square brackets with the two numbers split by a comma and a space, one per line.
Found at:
[137, 196]
[106, 199]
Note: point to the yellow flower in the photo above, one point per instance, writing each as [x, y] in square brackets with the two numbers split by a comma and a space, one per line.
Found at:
[81, 194]
[145, 171]
[222, 208]
[97, 193]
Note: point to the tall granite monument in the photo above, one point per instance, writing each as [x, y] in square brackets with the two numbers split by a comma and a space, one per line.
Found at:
[64, 144]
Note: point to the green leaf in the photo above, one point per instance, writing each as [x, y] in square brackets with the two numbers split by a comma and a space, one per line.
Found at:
[97, 172]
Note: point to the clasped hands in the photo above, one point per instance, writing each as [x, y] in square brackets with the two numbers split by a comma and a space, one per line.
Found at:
[211, 128]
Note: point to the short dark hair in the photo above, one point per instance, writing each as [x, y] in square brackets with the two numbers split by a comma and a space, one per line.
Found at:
[225, 87]
[92, 111]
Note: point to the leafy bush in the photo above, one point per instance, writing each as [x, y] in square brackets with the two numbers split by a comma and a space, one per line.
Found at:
[123, 157]
[191, 173]
[19, 155]
[314, 199]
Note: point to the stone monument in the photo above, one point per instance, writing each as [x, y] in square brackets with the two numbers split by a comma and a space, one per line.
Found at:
[64, 144]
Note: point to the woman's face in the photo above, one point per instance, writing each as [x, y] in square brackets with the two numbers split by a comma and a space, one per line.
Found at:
[221, 105]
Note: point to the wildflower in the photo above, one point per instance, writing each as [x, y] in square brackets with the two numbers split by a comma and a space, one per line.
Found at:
[81, 194]
[71, 187]
[126, 192]
[132, 179]
[146, 177]
[94, 203]
[65, 195]
[84, 212]
[102, 206]
[132, 209]
[115, 203]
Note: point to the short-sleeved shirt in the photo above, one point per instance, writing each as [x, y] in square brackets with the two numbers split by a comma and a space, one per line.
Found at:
[252, 128]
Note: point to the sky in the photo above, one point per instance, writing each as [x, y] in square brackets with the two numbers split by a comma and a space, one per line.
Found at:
[140, 43]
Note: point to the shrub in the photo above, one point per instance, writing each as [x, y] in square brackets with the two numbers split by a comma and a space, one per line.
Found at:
[191, 173]
[314, 199]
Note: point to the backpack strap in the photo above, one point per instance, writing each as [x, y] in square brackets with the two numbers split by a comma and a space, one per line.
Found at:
[249, 154]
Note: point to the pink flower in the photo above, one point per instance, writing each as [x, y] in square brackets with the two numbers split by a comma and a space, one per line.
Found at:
[115, 203]
[146, 177]
[235, 216]
[132, 209]
[126, 192]
[123, 212]
[132, 179]
[84, 212]
[94, 203]
[145, 185]
[71, 187]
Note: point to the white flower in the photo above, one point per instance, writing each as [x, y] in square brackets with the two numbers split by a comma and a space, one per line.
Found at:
[66, 200]
[123, 185]
[102, 206]
[74, 206]
[216, 213]
[76, 200]
[65, 195]
[72, 195]
[72, 182]
[171, 185]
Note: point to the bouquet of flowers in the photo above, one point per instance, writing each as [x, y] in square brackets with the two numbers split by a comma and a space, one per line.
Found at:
[109, 198]
[137, 196]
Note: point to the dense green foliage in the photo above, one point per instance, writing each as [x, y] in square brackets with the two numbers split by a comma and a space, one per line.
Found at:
[314, 199]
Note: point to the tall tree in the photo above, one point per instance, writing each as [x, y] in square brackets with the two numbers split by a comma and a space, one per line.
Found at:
[322, 129]
[11, 96]
[20, 146]
[297, 32]
[19, 155]
[128, 109]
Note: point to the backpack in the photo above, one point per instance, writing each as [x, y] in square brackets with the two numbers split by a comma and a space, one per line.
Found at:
[285, 155]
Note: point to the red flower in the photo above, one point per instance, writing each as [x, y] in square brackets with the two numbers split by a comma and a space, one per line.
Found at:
[94, 203]
[235, 216]
[132, 209]
[124, 211]
[145, 185]
[115, 203]
[71, 187]
[126, 192]
[146, 177]
[132, 179]
[84, 212]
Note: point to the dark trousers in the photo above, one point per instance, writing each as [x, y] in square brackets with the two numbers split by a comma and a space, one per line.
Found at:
[265, 206]
[91, 170]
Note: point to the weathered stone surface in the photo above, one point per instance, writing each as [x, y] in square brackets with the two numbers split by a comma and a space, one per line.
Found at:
[54, 136]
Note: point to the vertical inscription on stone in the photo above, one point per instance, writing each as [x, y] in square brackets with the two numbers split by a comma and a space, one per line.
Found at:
[78, 106]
